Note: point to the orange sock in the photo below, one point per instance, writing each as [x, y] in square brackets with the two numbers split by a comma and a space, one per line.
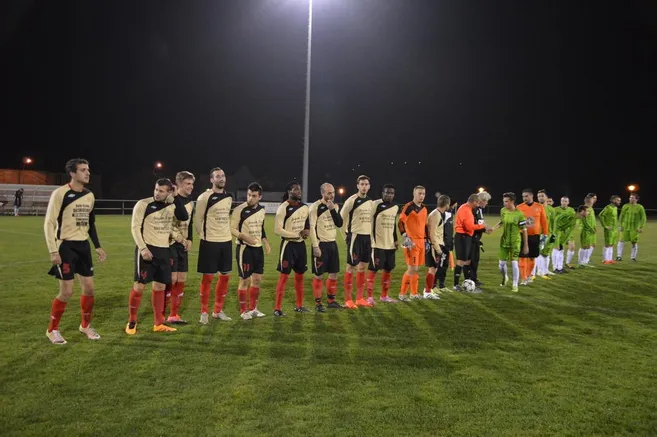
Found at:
[56, 312]
[177, 292]
[254, 293]
[280, 290]
[415, 283]
[87, 306]
[221, 291]
[167, 299]
[348, 283]
[157, 301]
[206, 284]
[430, 281]
[242, 296]
[522, 264]
[406, 282]
[298, 288]
[371, 280]
[385, 284]
[360, 285]
[134, 302]
[530, 266]
[331, 289]
[318, 289]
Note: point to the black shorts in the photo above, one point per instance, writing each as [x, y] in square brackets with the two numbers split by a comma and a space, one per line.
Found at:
[435, 261]
[293, 256]
[329, 262]
[76, 259]
[156, 270]
[463, 246]
[359, 249]
[382, 259]
[534, 243]
[250, 260]
[215, 257]
[180, 258]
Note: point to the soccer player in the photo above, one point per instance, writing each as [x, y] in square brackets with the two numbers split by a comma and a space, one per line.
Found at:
[437, 256]
[384, 244]
[18, 201]
[543, 260]
[564, 225]
[324, 219]
[537, 230]
[293, 226]
[215, 254]
[588, 233]
[514, 235]
[609, 221]
[357, 224]
[564, 207]
[478, 245]
[247, 225]
[632, 221]
[70, 222]
[413, 228]
[465, 226]
[180, 243]
[152, 223]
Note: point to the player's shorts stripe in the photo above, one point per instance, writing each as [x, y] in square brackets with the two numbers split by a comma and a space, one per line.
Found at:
[137, 254]
[372, 257]
[240, 259]
[283, 246]
[351, 247]
[315, 263]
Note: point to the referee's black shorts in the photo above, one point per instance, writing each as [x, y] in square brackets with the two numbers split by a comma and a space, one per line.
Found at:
[463, 246]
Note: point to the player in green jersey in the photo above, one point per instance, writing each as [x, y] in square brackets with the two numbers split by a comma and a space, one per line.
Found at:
[632, 221]
[564, 224]
[588, 233]
[570, 239]
[514, 234]
[609, 221]
[543, 261]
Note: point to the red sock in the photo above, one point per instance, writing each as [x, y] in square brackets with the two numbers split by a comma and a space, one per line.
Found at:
[157, 301]
[415, 282]
[168, 288]
[242, 296]
[254, 293]
[331, 289]
[177, 293]
[280, 290]
[298, 288]
[385, 284]
[134, 302]
[58, 307]
[360, 285]
[406, 282]
[220, 293]
[318, 290]
[206, 284]
[87, 306]
[348, 282]
[371, 280]
[431, 279]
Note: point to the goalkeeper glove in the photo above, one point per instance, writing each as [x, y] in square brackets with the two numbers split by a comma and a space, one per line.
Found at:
[407, 243]
[542, 241]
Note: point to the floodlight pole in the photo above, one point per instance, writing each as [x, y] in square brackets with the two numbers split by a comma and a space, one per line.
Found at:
[306, 133]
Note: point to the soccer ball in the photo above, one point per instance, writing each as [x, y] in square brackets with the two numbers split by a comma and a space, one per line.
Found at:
[469, 285]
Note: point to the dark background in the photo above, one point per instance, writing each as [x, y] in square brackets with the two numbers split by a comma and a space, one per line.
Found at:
[452, 95]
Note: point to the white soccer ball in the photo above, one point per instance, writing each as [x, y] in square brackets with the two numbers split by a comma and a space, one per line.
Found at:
[469, 285]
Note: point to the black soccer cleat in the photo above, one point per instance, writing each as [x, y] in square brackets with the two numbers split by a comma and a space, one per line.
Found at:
[618, 258]
[634, 260]
[334, 305]
[279, 313]
[320, 308]
[301, 310]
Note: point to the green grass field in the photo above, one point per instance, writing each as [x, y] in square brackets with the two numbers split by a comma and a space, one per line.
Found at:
[574, 356]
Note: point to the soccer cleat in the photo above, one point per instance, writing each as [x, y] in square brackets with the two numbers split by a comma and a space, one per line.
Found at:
[350, 304]
[221, 316]
[319, 308]
[176, 320]
[279, 313]
[131, 328]
[246, 315]
[524, 282]
[371, 301]
[478, 283]
[363, 303]
[436, 290]
[55, 337]
[444, 289]
[334, 305]
[388, 299]
[404, 298]
[505, 280]
[514, 288]
[89, 332]
[416, 297]
[256, 313]
[457, 288]
[570, 266]
[633, 259]
[531, 278]
[163, 328]
[301, 310]
[431, 295]
[549, 273]
[618, 258]
[546, 277]
[204, 319]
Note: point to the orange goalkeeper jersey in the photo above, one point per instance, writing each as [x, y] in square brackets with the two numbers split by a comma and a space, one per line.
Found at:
[536, 218]
[413, 220]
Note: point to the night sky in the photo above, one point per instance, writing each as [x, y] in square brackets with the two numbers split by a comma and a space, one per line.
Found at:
[503, 94]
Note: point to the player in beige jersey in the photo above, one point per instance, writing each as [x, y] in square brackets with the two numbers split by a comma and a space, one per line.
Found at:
[437, 254]
[247, 224]
[215, 254]
[69, 223]
[384, 243]
[357, 223]
[152, 223]
[324, 221]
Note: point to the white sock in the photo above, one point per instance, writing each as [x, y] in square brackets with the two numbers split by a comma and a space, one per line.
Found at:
[619, 248]
[571, 254]
[604, 253]
[635, 249]
[581, 255]
[561, 259]
[533, 273]
[610, 253]
[555, 259]
[588, 255]
[502, 267]
[546, 263]
[516, 272]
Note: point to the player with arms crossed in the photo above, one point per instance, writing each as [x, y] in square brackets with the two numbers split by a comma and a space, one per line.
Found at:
[357, 224]
[413, 226]
[384, 244]
[465, 226]
[215, 253]
[70, 222]
[247, 224]
[514, 236]
[325, 218]
[152, 223]
[437, 256]
[564, 225]
[609, 221]
[632, 221]
[292, 225]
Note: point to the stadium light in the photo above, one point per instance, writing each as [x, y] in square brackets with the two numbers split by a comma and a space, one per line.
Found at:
[481, 189]
[306, 133]
[631, 188]
[158, 165]
[27, 160]
[340, 192]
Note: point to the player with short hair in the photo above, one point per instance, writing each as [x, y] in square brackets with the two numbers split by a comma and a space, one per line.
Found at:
[293, 226]
[357, 224]
[69, 224]
[564, 224]
[465, 226]
[537, 232]
[247, 225]
[324, 219]
[588, 233]
[152, 223]
[564, 207]
[413, 229]
[478, 245]
[437, 255]
[180, 243]
[632, 221]
[215, 252]
[609, 221]
[514, 236]
[384, 244]
[543, 260]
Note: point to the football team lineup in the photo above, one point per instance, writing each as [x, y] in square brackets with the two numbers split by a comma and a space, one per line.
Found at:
[533, 235]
